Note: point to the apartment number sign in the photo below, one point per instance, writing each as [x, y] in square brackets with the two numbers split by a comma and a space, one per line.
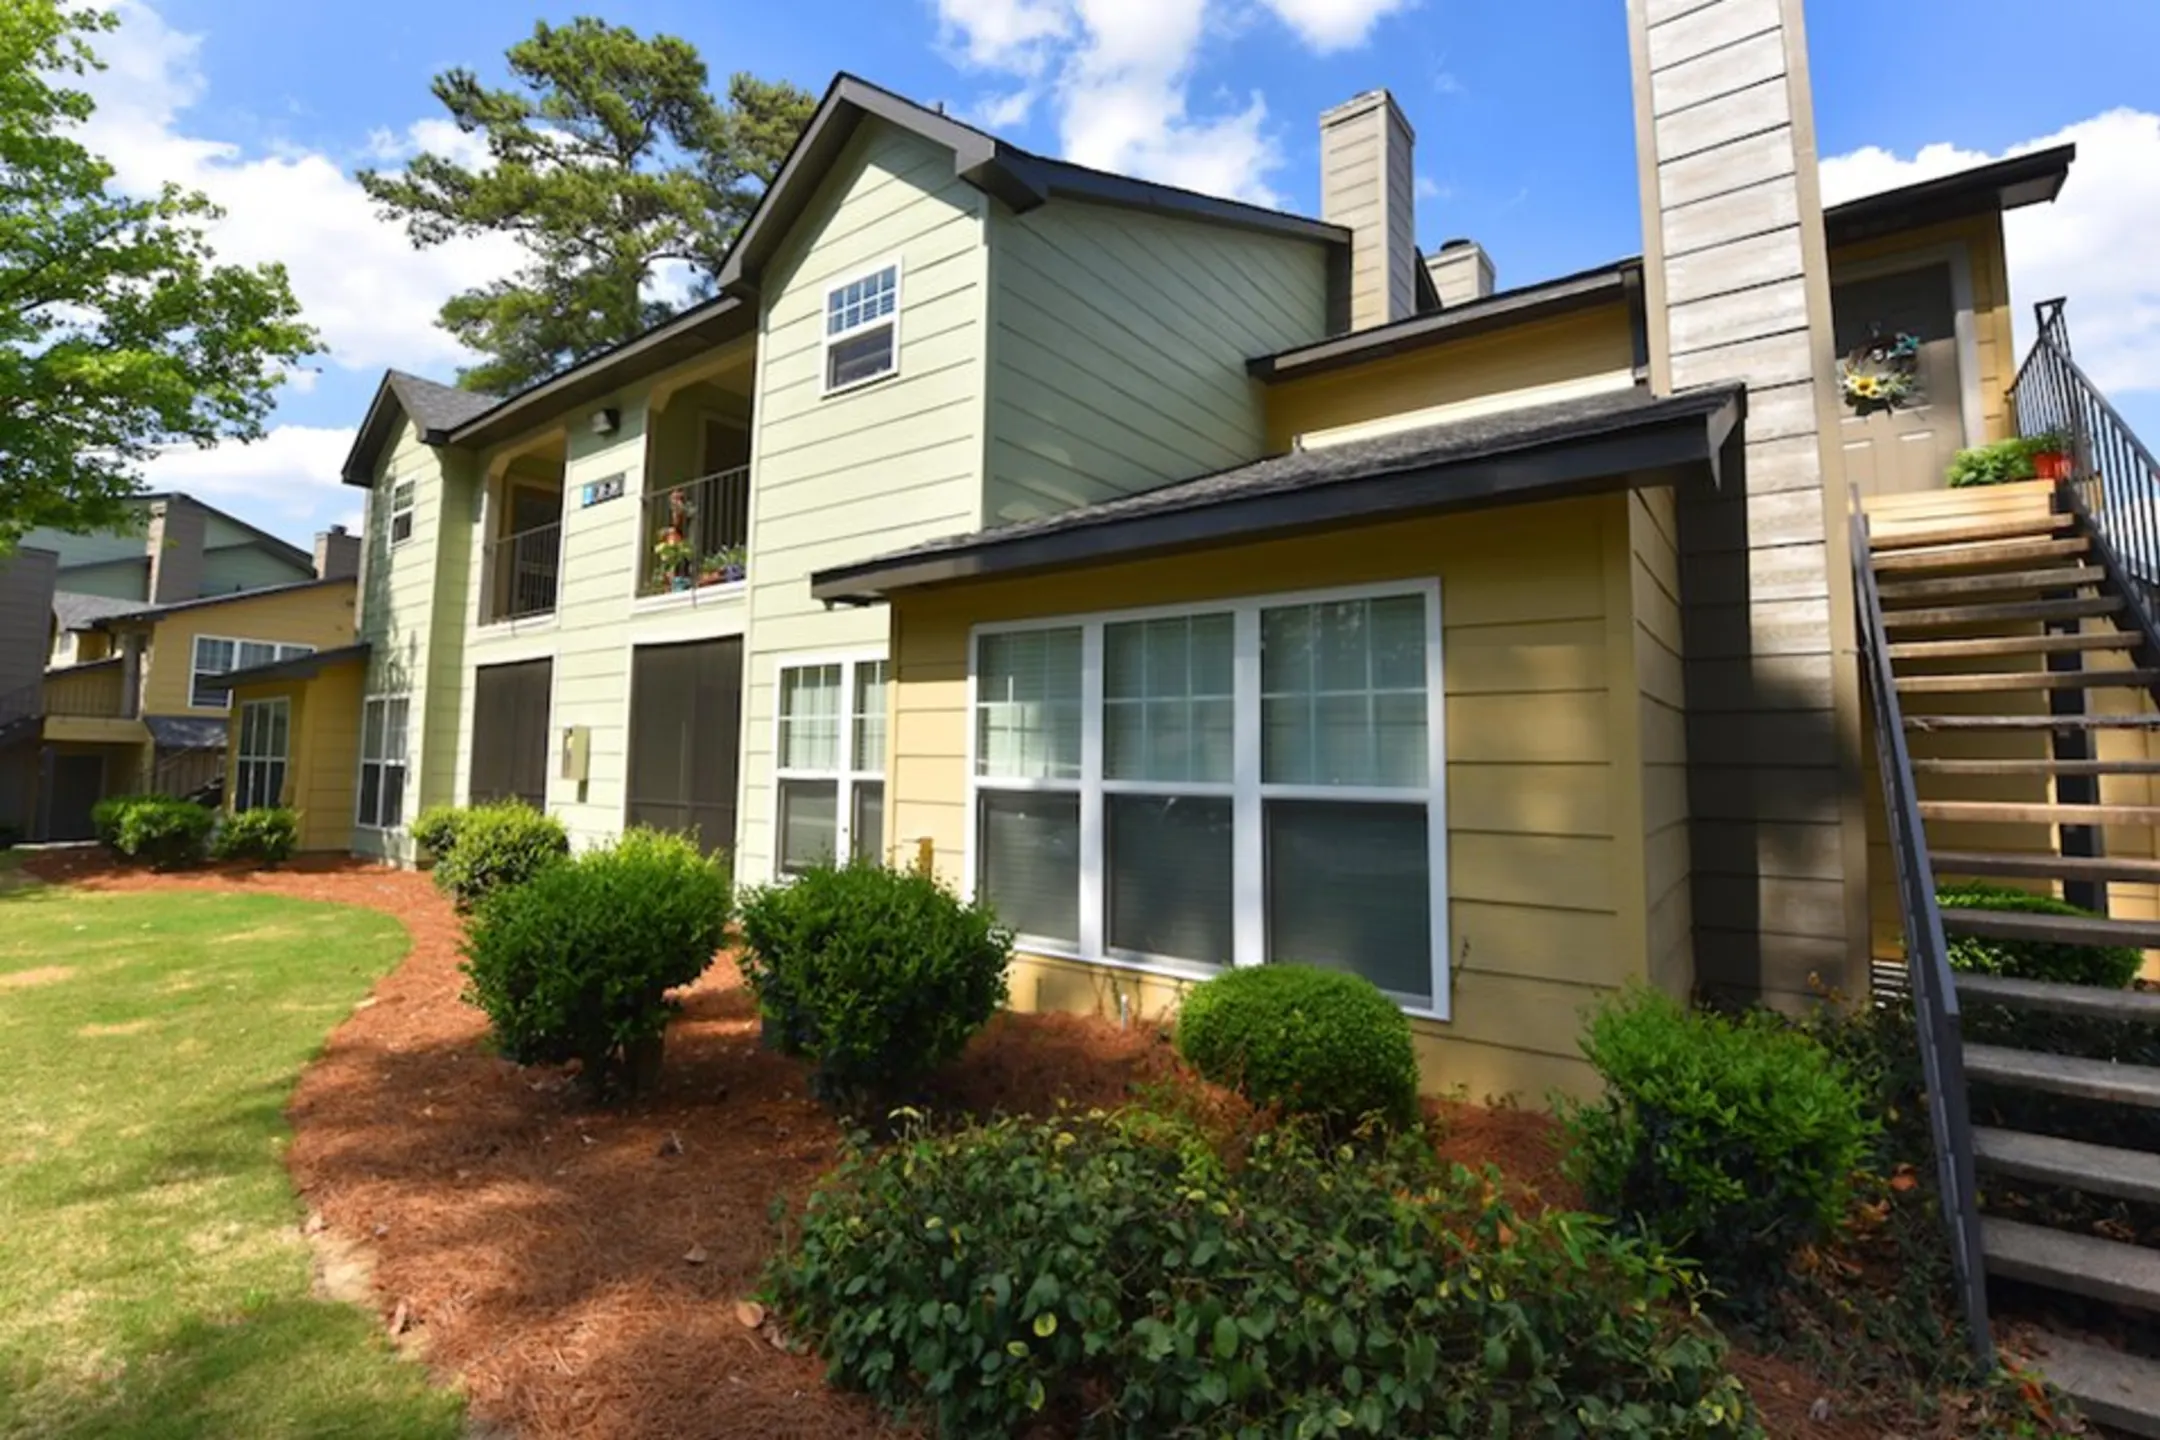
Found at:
[597, 491]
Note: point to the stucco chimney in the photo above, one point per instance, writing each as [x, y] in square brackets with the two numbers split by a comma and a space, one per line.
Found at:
[1367, 185]
[174, 544]
[1461, 272]
[337, 554]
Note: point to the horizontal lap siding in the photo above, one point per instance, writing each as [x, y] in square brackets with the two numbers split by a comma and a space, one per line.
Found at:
[1654, 583]
[321, 617]
[1538, 920]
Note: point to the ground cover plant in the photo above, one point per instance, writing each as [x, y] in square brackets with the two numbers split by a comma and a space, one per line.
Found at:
[2113, 966]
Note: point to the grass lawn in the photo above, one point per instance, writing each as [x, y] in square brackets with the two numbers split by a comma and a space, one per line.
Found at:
[153, 1282]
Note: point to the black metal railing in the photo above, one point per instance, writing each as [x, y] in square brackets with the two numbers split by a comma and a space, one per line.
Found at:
[696, 534]
[1936, 1012]
[519, 574]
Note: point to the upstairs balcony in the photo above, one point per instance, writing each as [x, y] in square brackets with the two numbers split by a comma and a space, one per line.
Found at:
[521, 555]
[696, 533]
[92, 703]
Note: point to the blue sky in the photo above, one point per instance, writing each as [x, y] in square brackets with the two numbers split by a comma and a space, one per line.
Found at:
[1524, 138]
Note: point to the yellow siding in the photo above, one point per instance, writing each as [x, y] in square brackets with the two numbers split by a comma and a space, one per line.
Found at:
[320, 615]
[1546, 815]
[93, 689]
[322, 760]
[1544, 352]
[1118, 345]
[1982, 239]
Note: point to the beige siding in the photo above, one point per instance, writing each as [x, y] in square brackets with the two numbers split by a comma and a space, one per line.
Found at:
[1118, 349]
[1546, 820]
[844, 477]
[1661, 715]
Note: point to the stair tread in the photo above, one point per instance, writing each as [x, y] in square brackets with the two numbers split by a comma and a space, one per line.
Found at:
[1987, 680]
[2062, 929]
[2082, 1264]
[2050, 865]
[2064, 1074]
[1985, 553]
[2012, 645]
[2032, 722]
[2041, 812]
[2036, 765]
[2093, 1002]
[2055, 577]
[1961, 532]
[2007, 611]
[2110, 1387]
[2098, 1169]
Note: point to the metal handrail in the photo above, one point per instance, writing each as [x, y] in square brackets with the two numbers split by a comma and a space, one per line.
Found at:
[1936, 1012]
[520, 574]
[705, 523]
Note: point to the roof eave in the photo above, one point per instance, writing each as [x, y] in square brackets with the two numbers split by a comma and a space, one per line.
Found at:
[2021, 180]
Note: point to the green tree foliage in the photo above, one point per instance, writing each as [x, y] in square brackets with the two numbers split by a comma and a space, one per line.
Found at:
[608, 158]
[118, 332]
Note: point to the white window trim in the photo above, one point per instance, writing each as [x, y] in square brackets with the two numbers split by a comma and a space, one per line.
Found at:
[1246, 791]
[196, 672]
[826, 389]
[404, 763]
[847, 775]
[243, 757]
[409, 509]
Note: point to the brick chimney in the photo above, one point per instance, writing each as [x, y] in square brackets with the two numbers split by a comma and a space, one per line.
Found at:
[174, 544]
[337, 554]
[1367, 185]
[1461, 272]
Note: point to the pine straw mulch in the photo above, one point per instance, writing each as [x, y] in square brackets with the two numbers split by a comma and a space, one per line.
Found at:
[575, 1269]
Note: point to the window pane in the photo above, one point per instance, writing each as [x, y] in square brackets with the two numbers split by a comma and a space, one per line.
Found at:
[394, 713]
[1349, 888]
[1169, 871]
[810, 718]
[253, 653]
[1028, 705]
[273, 782]
[869, 743]
[1343, 693]
[859, 357]
[393, 799]
[866, 833]
[213, 656]
[370, 794]
[1028, 870]
[1166, 696]
[809, 815]
[371, 730]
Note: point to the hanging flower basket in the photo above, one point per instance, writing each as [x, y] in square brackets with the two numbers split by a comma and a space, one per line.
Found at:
[1883, 374]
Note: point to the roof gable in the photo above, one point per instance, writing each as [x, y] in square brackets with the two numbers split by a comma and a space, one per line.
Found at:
[434, 408]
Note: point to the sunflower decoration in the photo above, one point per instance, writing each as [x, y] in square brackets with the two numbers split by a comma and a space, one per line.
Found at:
[1881, 374]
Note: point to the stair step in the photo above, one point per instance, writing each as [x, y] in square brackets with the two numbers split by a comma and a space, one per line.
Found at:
[2007, 611]
[1973, 557]
[2058, 577]
[2096, 1169]
[2012, 680]
[2047, 866]
[2108, 1387]
[2032, 722]
[2036, 766]
[2012, 645]
[2037, 812]
[2064, 1075]
[2090, 1002]
[2062, 929]
[1959, 533]
[2081, 1264]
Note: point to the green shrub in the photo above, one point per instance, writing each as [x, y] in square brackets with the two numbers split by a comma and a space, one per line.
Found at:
[576, 963]
[494, 847]
[1732, 1140]
[1315, 1042]
[156, 830]
[435, 830]
[267, 834]
[1115, 1264]
[876, 976]
[2002, 463]
[2113, 966]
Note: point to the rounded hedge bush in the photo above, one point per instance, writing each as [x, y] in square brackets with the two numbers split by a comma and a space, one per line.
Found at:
[1315, 1042]
[435, 829]
[494, 847]
[576, 963]
[876, 976]
[2113, 966]
[157, 830]
[266, 835]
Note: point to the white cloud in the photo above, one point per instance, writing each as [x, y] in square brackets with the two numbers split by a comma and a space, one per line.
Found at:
[359, 281]
[2093, 244]
[286, 480]
[1003, 112]
[1331, 25]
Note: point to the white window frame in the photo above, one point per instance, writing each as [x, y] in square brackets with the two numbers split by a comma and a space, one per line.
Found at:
[404, 764]
[1246, 791]
[280, 650]
[847, 776]
[404, 502]
[243, 757]
[828, 339]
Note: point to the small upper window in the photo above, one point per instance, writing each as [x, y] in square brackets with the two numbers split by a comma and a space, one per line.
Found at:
[862, 329]
[403, 494]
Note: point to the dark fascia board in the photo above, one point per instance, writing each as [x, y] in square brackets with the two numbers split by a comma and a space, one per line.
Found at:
[1606, 285]
[374, 433]
[1682, 440]
[300, 667]
[2001, 185]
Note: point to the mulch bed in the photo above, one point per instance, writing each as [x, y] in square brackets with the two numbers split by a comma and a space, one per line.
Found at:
[575, 1269]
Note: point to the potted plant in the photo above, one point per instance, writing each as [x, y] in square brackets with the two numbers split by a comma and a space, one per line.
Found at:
[734, 562]
[672, 556]
[722, 567]
[2050, 451]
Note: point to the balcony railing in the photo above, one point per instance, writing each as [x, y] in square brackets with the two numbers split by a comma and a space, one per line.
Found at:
[97, 691]
[696, 534]
[519, 574]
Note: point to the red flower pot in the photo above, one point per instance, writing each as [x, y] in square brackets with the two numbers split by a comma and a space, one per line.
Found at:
[2051, 465]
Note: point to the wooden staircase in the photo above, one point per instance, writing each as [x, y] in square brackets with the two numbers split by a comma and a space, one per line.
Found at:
[2027, 698]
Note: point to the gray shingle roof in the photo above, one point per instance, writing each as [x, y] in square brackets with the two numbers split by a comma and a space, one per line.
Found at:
[77, 611]
[436, 406]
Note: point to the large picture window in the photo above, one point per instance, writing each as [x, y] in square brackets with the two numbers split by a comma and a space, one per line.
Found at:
[217, 656]
[383, 724]
[259, 758]
[1250, 782]
[831, 748]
